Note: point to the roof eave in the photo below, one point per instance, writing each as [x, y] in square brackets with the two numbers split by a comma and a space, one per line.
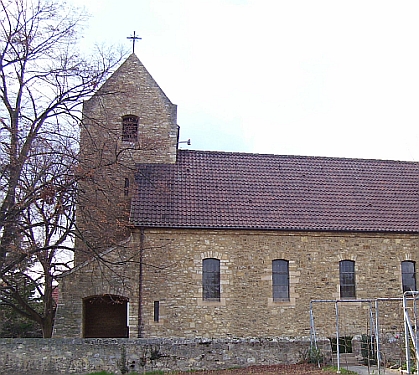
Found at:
[283, 229]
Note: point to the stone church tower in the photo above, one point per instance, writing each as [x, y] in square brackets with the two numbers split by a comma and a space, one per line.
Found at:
[128, 121]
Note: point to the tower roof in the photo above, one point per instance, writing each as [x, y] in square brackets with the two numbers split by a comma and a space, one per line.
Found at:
[128, 78]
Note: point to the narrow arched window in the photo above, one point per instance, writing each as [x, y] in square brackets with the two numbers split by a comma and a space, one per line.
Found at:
[211, 279]
[408, 275]
[126, 187]
[280, 280]
[130, 128]
[347, 278]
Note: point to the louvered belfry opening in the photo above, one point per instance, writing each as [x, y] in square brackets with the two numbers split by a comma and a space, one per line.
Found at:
[130, 128]
[105, 317]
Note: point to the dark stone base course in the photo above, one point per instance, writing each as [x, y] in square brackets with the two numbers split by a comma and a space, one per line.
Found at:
[81, 356]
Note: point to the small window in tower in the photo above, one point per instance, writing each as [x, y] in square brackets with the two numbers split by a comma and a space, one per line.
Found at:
[126, 187]
[130, 128]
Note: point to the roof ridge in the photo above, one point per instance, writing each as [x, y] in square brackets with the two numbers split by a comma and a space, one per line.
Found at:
[307, 157]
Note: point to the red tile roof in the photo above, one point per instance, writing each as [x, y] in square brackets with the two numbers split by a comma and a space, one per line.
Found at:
[237, 190]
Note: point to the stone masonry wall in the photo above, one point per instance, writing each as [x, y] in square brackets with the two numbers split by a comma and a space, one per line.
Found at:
[118, 277]
[80, 356]
[107, 163]
[172, 275]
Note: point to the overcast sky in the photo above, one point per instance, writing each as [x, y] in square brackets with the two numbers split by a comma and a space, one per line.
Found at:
[291, 77]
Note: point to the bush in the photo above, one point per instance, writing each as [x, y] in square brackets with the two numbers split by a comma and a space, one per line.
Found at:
[313, 355]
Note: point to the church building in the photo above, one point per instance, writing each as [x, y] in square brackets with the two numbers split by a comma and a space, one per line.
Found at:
[190, 243]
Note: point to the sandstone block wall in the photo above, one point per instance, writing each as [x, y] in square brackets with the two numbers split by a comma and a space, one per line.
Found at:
[172, 276]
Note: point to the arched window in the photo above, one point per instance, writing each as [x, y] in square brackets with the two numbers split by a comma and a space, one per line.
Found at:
[130, 128]
[347, 279]
[408, 275]
[211, 279]
[280, 280]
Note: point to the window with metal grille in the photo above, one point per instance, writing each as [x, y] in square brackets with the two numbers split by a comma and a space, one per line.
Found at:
[280, 280]
[347, 279]
[211, 279]
[130, 128]
[408, 275]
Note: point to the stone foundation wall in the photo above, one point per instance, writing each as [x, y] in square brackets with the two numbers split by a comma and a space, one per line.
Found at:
[81, 356]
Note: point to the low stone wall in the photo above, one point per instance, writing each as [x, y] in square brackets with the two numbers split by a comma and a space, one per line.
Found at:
[80, 356]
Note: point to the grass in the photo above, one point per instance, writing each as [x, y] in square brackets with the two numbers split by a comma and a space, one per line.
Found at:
[335, 369]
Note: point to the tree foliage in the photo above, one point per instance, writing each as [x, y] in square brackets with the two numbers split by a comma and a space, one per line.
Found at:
[15, 325]
[43, 82]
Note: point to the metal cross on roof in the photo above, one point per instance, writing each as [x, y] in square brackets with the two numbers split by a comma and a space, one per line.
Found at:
[134, 38]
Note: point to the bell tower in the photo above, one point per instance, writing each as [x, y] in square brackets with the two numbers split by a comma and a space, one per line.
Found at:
[128, 121]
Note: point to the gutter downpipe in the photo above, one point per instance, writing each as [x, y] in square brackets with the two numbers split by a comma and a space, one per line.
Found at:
[140, 286]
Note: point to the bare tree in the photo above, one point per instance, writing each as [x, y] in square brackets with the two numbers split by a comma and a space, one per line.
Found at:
[43, 82]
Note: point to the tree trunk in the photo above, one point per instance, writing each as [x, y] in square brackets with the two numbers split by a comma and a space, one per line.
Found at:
[47, 326]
